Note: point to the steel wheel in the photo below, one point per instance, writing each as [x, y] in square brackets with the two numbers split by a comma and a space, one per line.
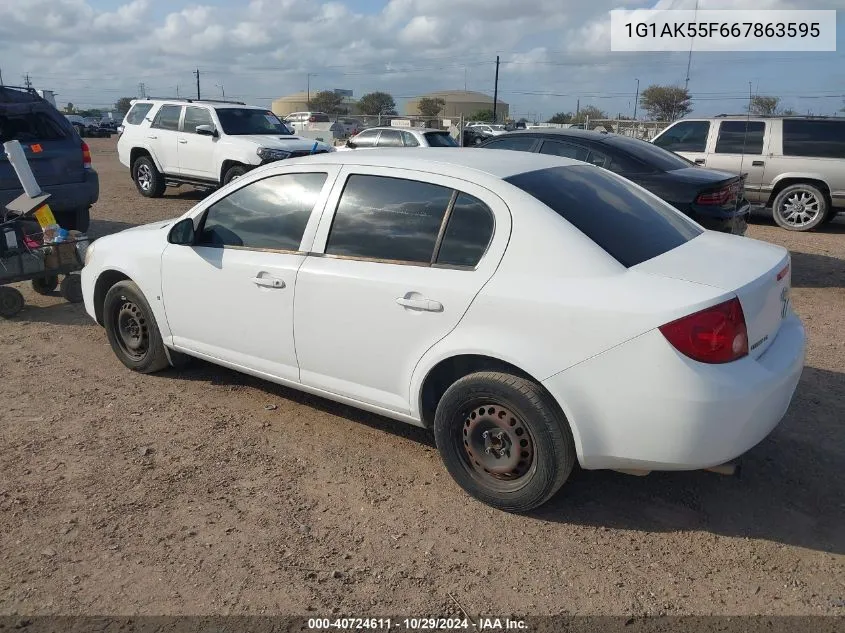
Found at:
[800, 208]
[498, 449]
[144, 177]
[132, 329]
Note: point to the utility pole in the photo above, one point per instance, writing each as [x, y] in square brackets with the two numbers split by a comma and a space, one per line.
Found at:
[1, 76]
[636, 99]
[142, 90]
[197, 73]
[222, 92]
[496, 89]
[308, 89]
[577, 108]
[177, 91]
[27, 81]
[692, 42]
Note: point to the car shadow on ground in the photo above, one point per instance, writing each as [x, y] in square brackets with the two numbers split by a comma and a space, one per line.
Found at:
[57, 314]
[763, 217]
[817, 271]
[789, 490]
[186, 193]
[101, 228]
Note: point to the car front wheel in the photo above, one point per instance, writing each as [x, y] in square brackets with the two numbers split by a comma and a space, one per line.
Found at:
[504, 440]
[132, 329]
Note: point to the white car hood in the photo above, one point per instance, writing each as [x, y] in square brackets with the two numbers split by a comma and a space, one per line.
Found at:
[288, 143]
[152, 226]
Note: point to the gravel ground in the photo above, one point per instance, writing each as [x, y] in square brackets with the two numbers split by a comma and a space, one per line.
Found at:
[209, 492]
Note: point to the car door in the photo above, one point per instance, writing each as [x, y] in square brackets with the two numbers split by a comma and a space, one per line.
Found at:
[687, 138]
[163, 137]
[390, 138]
[196, 151]
[739, 149]
[399, 257]
[229, 296]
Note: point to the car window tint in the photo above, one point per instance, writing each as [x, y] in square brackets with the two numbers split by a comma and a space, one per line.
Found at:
[388, 218]
[366, 138]
[410, 140]
[686, 136]
[642, 156]
[196, 116]
[807, 137]
[518, 143]
[29, 126]
[567, 150]
[440, 139]
[390, 138]
[631, 225]
[269, 213]
[740, 137]
[137, 113]
[467, 234]
[167, 117]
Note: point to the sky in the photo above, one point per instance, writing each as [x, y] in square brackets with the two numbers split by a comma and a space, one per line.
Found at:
[555, 54]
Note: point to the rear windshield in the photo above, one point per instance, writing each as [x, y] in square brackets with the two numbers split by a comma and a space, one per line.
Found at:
[650, 154]
[30, 126]
[631, 225]
[319, 117]
[138, 112]
[440, 139]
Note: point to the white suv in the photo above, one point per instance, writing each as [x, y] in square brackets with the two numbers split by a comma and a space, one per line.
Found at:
[203, 143]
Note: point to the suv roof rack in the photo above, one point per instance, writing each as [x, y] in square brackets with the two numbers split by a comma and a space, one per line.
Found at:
[778, 116]
[187, 100]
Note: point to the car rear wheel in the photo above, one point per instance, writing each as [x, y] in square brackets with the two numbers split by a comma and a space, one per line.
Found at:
[800, 207]
[132, 329]
[71, 288]
[148, 179]
[45, 285]
[504, 440]
[11, 301]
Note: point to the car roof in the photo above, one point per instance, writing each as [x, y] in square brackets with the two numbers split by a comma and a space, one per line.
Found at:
[497, 163]
[206, 102]
[589, 135]
[405, 129]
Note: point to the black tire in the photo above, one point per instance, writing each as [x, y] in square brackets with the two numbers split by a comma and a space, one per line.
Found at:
[148, 179]
[512, 411]
[45, 285]
[132, 329]
[71, 288]
[800, 207]
[11, 302]
[74, 220]
[831, 216]
[233, 173]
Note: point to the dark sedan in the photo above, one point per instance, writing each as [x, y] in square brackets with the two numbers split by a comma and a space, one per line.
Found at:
[712, 198]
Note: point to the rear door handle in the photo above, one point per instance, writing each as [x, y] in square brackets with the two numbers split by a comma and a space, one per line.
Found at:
[152, 137]
[758, 163]
[268, 282]
[699, 161]
[429, 305]
[183, 141]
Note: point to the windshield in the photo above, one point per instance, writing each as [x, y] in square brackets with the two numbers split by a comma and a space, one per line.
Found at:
[440, 139]
[237, 121]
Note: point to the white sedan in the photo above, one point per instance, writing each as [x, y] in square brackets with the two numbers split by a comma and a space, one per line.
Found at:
[532, 310]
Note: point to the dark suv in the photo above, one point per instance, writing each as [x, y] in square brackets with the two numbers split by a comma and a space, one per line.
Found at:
[60, 160]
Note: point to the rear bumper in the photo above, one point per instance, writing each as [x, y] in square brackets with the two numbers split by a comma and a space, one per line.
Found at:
[722, 220]
[66, 197]
[643, 405]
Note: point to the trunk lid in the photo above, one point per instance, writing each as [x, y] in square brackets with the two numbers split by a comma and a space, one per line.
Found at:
[758, 273]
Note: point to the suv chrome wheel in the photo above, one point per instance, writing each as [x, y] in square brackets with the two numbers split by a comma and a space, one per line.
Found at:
[144, 177]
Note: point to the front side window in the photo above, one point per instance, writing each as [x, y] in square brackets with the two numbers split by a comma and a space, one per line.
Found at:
[240, 121]
[740, 137]
[814, 137]
[194, 117]
[138, 112]
[366, 139]
[518, 143]
[167, 117]
[686, 136]
[388, 218]
[390, 138]
[468, 233]
[271, 213]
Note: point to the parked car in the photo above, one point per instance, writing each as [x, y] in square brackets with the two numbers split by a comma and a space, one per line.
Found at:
[489, 128]
[169, 143]
[475, 136]
[351, 127]
[59, 158]
[795, 165]
[401, 137]
[300, 120]
[711, 198]
[533, 311]
[79, 124]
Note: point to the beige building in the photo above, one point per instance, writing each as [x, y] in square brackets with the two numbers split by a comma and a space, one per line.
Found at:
[298, 102]
[459, 102]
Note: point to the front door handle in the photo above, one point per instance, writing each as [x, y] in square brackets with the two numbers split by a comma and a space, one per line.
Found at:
[758, 163]
[183, 141]
[152, 137]
[699, 161]
[429, 305]
[268, 282]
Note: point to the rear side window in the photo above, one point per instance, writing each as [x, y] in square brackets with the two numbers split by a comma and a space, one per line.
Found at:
[30, 126]
[518, 143]
[686, 136]
[137, 113]
[366, 139]
[270, 213]
[388, 218]
[409, 140]
[630, 225]
[740, 137]
[567, 150]
[167, 117]
[440, 139]
[390, 138]
[822, 139]
[468, 233]
[319, 118]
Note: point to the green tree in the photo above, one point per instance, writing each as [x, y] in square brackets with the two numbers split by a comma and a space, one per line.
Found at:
[763, 105]
[561, 117]
[589, 112]
[430, 107]
[666, 103]
[69, 108]
[791, 112]
[328, 102]
[482, 115]
[123, 104]
[375, 103]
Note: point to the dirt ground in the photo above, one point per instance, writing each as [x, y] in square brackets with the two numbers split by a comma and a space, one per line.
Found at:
[209, 492]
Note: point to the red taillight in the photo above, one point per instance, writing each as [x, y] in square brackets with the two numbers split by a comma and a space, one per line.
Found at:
[720, 197]
[713, 335]
[86, 155]
[312, 119]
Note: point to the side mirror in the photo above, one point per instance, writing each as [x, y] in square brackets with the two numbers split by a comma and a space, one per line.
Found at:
[206, 130]
[351, 144]
[182, 232]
